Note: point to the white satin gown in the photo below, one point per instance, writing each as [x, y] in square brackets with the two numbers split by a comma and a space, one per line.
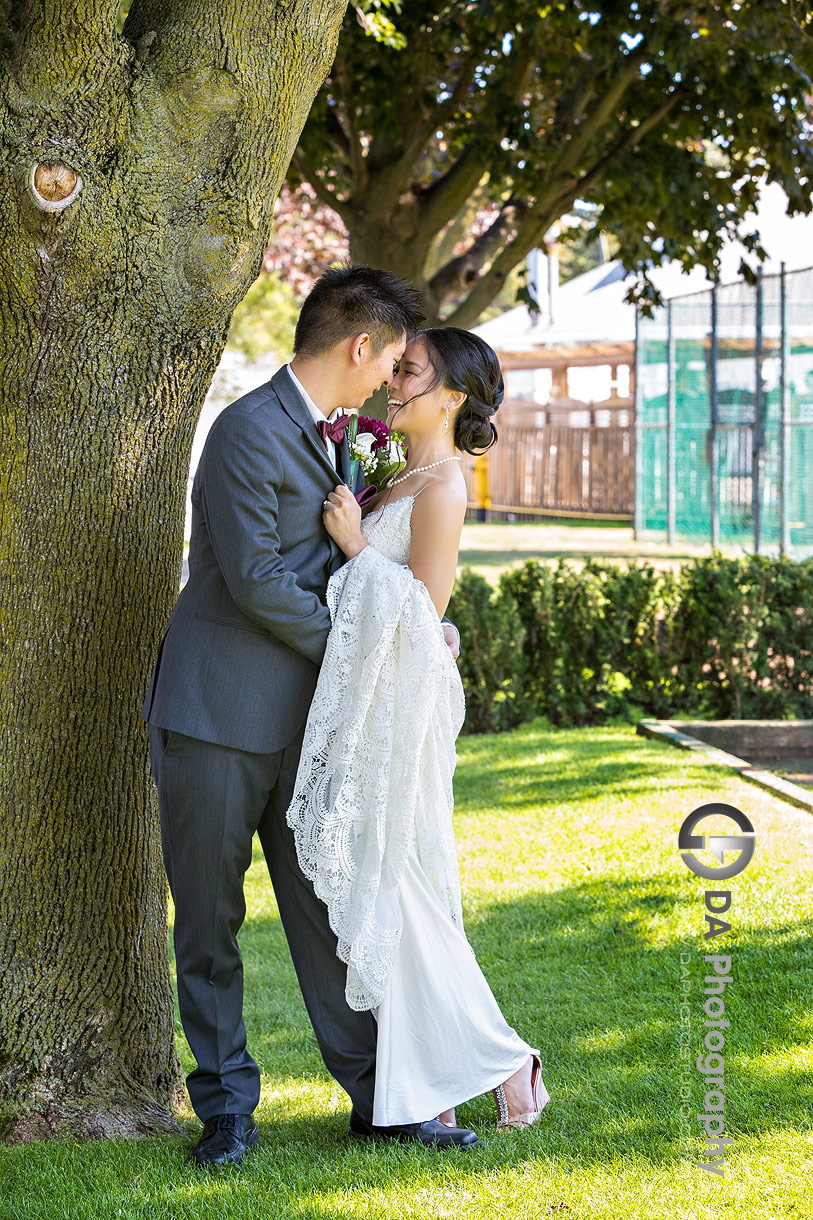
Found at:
[372, 820]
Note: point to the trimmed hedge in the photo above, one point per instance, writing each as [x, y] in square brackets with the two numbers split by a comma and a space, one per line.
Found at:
[721, 638]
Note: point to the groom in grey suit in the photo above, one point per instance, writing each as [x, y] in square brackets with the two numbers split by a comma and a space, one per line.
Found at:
[230, 692]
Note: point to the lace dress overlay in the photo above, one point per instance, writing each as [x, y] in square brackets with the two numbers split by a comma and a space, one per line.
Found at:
[375, 775]
[372, 821]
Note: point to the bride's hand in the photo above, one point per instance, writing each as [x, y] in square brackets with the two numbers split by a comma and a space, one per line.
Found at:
[342, 518]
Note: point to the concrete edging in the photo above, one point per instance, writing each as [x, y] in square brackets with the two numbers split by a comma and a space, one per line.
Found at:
[663, 730]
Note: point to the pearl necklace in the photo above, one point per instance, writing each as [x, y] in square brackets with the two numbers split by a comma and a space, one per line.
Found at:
[420, 469]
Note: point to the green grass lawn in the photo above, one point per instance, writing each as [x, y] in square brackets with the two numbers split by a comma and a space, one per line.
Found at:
[578, 906]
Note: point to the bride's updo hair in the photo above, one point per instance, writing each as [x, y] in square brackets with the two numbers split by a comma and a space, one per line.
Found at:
[463, 361]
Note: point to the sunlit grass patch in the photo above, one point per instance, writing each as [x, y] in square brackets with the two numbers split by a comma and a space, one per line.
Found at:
[578, 907]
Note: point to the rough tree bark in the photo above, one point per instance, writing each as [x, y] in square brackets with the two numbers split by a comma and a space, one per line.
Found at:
[138, 176]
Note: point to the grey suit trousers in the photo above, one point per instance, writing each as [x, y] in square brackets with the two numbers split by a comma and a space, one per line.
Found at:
[212, 799]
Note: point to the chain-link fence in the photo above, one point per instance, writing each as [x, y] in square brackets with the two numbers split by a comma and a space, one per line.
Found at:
[724, 416]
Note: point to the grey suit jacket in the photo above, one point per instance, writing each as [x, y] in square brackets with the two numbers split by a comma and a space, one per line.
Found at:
[240, 656]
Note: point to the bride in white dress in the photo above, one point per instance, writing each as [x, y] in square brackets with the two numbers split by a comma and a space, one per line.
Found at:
[372, 807]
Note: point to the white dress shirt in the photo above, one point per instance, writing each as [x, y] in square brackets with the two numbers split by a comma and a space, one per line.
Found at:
[316, 415]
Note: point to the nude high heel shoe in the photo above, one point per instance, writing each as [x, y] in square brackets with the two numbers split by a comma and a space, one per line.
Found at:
[539, 1093]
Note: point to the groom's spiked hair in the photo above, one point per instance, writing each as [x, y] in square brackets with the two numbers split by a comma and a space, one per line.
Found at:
[349, 299]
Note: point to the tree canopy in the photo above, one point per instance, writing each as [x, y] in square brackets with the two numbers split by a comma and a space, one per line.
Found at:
[663, 113]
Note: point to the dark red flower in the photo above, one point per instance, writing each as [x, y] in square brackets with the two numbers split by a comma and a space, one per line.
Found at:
[377, 428]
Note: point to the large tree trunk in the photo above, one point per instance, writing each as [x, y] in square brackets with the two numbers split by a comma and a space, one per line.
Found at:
[173, 142]
[389, 239]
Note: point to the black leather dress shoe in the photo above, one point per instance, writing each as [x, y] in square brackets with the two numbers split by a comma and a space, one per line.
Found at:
[225, 1140]
[431, 1133]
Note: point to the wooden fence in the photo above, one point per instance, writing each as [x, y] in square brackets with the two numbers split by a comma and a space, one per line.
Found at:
[555, 470]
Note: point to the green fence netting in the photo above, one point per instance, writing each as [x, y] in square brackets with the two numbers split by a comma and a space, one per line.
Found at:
[724, 416]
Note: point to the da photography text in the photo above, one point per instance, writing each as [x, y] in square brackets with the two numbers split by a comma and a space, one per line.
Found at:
[719, 975]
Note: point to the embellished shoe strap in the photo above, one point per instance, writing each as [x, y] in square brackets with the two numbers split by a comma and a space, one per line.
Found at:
[521, 1120]
[502, 1106]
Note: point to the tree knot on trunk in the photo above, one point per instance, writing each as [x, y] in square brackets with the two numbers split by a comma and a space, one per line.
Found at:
[54, 187]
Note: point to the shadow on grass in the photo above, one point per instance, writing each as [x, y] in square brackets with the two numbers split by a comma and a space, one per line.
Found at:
[583, 974]
[586, 973]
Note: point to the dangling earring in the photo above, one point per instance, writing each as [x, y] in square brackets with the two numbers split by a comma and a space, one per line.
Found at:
[446, 425]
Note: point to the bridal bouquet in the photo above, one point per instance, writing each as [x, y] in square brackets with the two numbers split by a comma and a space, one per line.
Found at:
[379, 452]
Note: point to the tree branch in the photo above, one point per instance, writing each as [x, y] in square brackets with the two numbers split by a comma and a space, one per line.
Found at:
[344, 116]
[543, 214]
[442, 251]
[589, 128]
[626, 144]
[303, 165]
[336, 128]
[419, 133]
[444, 197]
[487, 286]
[462, 272]
[520, 63]
[392, 166]
[571, 106]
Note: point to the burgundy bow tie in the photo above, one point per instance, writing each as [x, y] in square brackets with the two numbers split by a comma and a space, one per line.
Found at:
[335, 430]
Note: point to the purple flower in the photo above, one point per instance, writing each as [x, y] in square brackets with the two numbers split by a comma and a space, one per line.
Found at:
[378, 429]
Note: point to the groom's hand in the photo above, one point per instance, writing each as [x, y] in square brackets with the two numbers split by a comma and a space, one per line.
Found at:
[452, 637]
